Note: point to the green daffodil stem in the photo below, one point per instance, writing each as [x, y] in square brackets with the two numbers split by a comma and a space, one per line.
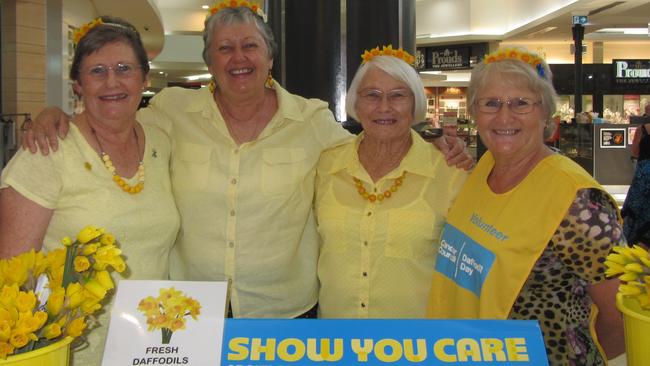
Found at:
[166, 335]
[68, 269]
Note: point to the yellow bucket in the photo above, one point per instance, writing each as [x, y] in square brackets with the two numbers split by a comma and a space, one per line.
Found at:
[637, 330]
[56, 354]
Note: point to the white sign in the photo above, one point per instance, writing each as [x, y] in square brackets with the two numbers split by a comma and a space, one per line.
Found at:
[166, 323]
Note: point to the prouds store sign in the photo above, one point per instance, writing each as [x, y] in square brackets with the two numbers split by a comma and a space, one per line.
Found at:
[631, 71]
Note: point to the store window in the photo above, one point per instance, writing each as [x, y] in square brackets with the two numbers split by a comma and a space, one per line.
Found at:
[619, 108]
[566, 106]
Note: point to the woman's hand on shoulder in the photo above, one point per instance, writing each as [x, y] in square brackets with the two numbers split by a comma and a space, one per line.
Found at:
[43, 133]
[455, 152]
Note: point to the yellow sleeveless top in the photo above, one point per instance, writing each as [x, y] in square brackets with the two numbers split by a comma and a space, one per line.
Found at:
[491, 241]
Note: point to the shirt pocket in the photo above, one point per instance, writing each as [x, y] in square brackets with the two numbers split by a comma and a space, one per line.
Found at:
[191, 165]
[282, 170]
[331, 227]
[411, 234]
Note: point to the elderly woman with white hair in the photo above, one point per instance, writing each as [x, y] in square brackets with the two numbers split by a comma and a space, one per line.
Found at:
[381, 199]
[528, 235]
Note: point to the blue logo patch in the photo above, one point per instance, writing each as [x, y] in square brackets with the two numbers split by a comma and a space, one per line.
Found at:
[463, 260]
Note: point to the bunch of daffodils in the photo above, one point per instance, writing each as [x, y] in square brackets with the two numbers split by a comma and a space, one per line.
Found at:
[167, 312]
[632, 266]
[46, 297]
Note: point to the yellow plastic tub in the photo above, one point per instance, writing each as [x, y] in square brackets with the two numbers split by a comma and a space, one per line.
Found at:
[56, 354]
[637, 331]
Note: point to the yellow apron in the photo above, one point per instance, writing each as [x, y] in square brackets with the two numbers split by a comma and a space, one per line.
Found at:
[492, 241]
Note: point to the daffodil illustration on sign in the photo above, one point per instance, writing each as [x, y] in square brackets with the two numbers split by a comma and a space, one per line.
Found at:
[167, 312]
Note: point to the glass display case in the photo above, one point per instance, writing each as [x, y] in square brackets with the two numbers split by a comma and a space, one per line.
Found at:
[576, 142]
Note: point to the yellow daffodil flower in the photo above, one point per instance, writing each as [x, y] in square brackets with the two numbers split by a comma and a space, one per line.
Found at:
[52, 331]
[18, 339]
[95, 288]
[104, 279]
[5, 349]
[107, 239]
[81, 263]
[75, 294]
[55, 301]
[66, 241]
[87, 234]
[5, 331]
[25, 301]
[76, 327]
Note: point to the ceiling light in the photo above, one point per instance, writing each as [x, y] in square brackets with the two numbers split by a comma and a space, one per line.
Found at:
[198, 77]
[626, 31]
[541, 31]
[161, 72]
[205, 7]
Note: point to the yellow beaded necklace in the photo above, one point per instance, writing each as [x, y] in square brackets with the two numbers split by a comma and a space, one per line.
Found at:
[381, 196]
[108, 163]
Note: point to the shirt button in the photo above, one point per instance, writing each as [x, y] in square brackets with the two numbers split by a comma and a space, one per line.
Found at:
[236, 151]
[234, 181]
[369, 213]
[365, 274]
[232, 212]
[363, 305]
[231, 244]
[365, 243]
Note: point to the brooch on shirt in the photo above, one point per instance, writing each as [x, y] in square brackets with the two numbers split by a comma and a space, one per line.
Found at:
[88, 166]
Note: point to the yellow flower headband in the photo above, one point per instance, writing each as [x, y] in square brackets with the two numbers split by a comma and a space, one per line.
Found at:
[81, 31]
[514, 54]
[388, 51]
[236, 4]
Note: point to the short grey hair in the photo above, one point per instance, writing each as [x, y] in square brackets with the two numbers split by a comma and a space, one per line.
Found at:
[398, 69]
[515, 71]
[238, 15]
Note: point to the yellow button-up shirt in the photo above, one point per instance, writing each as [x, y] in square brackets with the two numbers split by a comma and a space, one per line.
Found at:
[377, 259]
[246, 211]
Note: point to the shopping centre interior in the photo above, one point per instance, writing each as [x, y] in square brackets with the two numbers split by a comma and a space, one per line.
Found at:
[37, 50]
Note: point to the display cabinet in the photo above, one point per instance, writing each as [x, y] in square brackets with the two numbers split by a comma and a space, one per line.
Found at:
[576, 142]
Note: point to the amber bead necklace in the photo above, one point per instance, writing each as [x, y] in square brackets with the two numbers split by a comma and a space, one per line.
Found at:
[108, 163]
[381, 196]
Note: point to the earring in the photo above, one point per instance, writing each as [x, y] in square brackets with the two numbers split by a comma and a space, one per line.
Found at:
[269, 80]
[213, 85]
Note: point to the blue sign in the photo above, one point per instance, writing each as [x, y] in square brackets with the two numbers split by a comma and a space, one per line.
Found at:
[305, 342]
[580, 19]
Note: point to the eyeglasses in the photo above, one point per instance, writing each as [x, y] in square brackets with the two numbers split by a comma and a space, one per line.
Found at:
[395, 97]
[516, 105]
[122, 70]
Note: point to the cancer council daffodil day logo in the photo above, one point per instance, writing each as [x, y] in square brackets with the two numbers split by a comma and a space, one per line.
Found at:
[168, 311]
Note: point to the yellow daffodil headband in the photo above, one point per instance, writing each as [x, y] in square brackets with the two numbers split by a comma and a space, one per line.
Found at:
[256, 9]
[84, 29]
[514, 54]
[388, 51]
[81, 31]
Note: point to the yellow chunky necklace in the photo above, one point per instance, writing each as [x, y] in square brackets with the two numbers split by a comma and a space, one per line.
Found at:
[381, 196]
[108, 163]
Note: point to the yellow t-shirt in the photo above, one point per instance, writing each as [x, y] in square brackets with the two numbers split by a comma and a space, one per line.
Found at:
[145, 224]
[246, 210]
[377, 258]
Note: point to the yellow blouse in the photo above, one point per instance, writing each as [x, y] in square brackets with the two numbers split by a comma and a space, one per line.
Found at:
[377, 259]
[76, 185]
[246, 211]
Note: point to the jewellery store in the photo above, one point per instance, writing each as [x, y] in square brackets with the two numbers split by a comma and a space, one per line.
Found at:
[613, 96]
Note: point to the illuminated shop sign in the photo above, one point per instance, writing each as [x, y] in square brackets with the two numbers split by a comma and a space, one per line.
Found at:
[448, 58]
[631, 71]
